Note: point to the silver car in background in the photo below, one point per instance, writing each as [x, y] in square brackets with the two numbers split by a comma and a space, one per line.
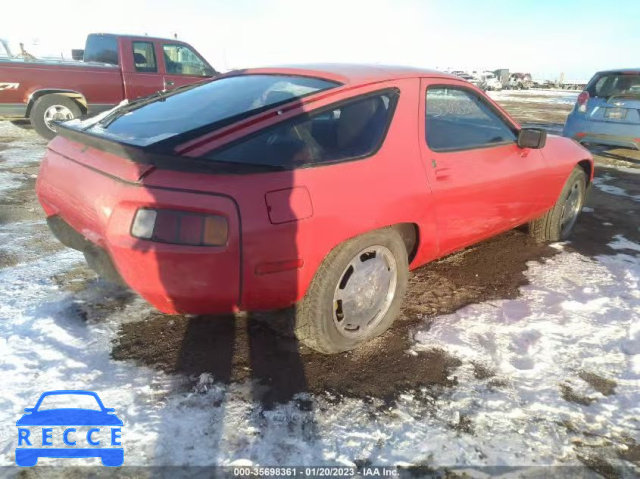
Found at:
[607, 112]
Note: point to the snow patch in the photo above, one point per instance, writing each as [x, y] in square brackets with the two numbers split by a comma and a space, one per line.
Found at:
[601, 184]
[557, 97]
[576, 315]
[622, 243]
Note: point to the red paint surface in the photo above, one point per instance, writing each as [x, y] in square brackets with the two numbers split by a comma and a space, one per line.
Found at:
[466, 197]
[290, 204]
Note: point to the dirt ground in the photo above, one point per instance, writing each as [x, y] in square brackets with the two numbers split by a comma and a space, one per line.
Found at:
[245, 347]
[488, 271]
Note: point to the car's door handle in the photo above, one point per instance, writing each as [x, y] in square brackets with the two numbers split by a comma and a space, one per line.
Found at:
[169, 83]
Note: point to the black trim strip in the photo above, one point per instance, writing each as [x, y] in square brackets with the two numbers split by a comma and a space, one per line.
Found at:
[144, 156]
[13, 110]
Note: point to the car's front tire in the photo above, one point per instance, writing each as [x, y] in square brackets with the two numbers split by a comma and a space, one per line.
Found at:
[558, 222]
[356, 293]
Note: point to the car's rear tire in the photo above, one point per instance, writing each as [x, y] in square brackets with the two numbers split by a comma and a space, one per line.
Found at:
[49, 108]
[557, 223]
[356, 293]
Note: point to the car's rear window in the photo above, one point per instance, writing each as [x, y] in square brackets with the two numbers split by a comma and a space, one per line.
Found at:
[349, 130]
[101, 48]
[211, 103]
[615, 84]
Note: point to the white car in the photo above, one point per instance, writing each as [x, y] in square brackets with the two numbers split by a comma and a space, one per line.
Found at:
[491, 82]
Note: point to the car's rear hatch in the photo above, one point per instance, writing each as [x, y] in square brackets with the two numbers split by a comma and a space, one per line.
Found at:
[614, 97]
[615, 109]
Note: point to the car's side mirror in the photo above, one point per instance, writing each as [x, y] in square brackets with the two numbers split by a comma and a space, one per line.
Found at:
[109, 410]
[534, 138]
[29, 409]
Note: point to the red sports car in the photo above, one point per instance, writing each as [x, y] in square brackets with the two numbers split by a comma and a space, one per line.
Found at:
[317, 186]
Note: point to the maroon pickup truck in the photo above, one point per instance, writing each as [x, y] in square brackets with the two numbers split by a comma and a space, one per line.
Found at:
[114, 68]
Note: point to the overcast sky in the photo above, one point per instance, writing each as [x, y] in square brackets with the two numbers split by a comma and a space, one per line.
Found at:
[544, 37]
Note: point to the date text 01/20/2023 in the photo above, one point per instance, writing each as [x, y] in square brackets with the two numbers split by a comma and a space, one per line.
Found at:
[336, 471]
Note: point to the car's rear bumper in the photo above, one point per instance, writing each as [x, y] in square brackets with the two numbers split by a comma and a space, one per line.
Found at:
[620, 135]
[172, 281]
[97, 258]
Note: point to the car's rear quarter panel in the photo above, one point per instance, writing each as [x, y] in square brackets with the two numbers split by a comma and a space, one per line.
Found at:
[101, 207]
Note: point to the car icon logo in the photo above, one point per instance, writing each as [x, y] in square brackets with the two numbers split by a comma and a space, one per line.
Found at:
[64, 432]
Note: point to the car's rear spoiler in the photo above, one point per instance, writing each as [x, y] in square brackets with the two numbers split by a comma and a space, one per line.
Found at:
[147, 155]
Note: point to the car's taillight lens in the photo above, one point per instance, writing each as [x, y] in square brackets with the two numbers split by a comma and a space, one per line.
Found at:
[583, 98]
[180, 227]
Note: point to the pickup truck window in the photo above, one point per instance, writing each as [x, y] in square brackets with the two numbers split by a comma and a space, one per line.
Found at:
[208, 105]
[101, 48]
[181, 60]
[144, 58]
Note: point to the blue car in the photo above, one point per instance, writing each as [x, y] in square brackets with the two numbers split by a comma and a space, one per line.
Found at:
[608, 110]
[27, 452]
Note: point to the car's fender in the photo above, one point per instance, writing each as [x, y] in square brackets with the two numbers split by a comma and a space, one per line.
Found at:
[562, 155]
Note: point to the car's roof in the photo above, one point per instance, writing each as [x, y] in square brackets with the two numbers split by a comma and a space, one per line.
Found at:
[351, 74]
[135, 37]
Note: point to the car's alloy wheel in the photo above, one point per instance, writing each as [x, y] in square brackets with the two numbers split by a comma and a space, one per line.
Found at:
[365, 291]
[51, 108]
[558, 222]
[571, 209]
[356, 292]
[57, 113]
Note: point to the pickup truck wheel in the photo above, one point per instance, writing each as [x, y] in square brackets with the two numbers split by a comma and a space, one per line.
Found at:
[557, 223]
[50, 108]
[356, 293]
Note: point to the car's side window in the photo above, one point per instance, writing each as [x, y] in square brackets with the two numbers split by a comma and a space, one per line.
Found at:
[181, 60]
[349, 130]
[458, 119]
[144, 57]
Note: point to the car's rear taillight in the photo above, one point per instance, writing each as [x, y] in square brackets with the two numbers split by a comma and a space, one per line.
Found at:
[180, 227]
[583, 98]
